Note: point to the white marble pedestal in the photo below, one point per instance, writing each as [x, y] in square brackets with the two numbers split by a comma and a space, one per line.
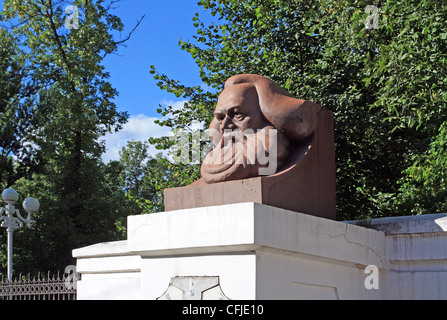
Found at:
[255, 251]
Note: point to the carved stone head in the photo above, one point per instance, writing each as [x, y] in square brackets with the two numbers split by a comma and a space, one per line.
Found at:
[255, 129]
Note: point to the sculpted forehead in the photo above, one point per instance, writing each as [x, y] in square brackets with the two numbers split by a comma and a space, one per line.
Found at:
[236, 96]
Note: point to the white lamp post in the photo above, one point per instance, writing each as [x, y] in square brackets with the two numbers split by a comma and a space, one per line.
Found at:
[11, 223]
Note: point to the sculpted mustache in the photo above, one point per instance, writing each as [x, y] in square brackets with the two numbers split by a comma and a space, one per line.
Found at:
[234, 135]
[245, 148]
[239, 155]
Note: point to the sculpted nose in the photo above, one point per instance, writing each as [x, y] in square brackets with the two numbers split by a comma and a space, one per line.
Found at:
[228, 124]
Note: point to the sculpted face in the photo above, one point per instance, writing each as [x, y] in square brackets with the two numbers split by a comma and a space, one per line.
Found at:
[238, 109]
[256, 126]
[247, 145]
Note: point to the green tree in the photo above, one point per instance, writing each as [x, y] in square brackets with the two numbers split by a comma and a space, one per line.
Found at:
[133, 158]
[48, 244]
[75, 104]
[161, 174]
[17, 117]
[385, 86]
[144, 178]
[411, 82]
[18, 158]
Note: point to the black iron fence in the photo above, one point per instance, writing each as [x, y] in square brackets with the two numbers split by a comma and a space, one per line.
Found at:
[49, 287]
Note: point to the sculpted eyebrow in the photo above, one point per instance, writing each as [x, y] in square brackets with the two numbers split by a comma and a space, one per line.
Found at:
[234, 107]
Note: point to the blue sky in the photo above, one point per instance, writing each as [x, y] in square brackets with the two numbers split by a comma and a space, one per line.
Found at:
[155, 42]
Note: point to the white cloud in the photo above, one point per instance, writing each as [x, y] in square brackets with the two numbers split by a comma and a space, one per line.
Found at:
[138, 128]
[176, 105]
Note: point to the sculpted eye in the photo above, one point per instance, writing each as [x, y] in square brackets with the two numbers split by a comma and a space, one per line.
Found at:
[219, 117]
[237, 114]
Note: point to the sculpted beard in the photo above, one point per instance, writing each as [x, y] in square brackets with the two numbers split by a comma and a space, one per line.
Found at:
[242, 154]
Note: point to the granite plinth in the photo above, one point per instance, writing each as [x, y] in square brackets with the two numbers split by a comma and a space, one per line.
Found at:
[306, 184]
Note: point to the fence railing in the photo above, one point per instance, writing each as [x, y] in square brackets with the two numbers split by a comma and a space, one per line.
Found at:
[53, 287]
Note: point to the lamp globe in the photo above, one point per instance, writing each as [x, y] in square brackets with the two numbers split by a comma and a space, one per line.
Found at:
[10, 196]
[31, 205]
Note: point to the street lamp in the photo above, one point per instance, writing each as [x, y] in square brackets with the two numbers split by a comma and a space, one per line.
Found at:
[11, 223]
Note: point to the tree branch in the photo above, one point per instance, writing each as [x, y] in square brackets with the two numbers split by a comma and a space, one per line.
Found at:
[130, 34]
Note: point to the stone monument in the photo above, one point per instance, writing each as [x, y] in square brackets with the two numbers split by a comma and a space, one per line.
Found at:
[270, 148]
[260, 223]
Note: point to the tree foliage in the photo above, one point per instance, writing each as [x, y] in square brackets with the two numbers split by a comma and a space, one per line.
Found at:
[18, 158]
[145, 177]
[385, 86]
[133, 159]
[73, 107]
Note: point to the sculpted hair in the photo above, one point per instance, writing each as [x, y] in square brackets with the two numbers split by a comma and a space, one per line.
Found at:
[296, 118]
